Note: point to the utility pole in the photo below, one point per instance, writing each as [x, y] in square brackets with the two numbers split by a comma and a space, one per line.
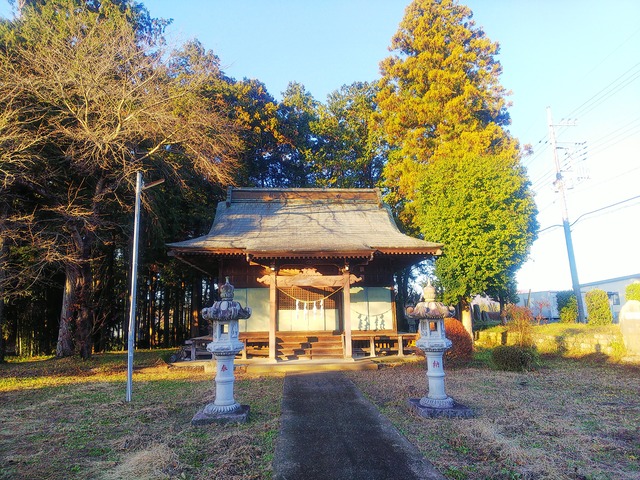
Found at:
[134, 280]
[559, 184]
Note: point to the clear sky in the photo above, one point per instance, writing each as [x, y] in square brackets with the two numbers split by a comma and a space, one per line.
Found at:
[579, 57]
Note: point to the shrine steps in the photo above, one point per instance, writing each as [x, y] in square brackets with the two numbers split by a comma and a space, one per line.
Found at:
[310, 346]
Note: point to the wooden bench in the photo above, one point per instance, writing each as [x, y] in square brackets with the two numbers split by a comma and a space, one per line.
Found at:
[384, 344]
[257, 342]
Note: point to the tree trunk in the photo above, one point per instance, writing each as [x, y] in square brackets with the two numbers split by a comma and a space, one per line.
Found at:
[64, 347]
[196, 301]
[152, 311]
[3, 257]
[86, 310]
[465, 316]
[165, 316]
[77, 305]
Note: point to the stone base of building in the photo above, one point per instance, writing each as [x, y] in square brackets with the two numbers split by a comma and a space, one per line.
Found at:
[241, 415]
[457, 410]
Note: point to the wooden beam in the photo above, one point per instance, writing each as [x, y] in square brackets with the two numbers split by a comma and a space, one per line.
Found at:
[273, 316]
[346, 307]
[302, 280]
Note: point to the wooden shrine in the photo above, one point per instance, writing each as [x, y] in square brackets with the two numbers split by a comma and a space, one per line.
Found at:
[315, 265]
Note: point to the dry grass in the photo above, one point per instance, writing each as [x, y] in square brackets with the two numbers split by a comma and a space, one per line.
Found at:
[570, 419]
[67, 419]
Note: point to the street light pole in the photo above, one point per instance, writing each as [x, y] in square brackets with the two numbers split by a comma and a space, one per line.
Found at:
[134, 280]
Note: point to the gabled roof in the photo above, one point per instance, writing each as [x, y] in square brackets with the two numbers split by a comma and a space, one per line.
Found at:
[304, 223]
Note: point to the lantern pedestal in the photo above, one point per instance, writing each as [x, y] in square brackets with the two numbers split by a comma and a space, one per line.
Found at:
[224, 347]
[434, 343]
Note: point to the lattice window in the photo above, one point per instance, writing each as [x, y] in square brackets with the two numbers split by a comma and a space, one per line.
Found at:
[287, 297]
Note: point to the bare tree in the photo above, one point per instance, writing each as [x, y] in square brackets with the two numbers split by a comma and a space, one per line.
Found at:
[91, 103]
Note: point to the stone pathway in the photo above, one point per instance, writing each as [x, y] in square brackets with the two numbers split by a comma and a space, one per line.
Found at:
[329, 431]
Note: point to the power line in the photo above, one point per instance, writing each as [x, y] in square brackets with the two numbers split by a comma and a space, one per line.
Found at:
[616, 85]
[606, 207]
[607, 180]
[613, 50]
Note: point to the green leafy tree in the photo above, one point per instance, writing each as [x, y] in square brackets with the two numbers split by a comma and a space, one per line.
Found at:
[297, 143]
[350, 154]
[481, 208]
[453, 173]
[598, 309]
[256, 111]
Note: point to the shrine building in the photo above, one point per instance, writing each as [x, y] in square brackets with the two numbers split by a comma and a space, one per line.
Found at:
[315, 265]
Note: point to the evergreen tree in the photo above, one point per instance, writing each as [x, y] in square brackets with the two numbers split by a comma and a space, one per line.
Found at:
[453, 173]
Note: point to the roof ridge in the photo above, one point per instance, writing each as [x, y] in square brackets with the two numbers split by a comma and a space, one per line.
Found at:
[303, 195]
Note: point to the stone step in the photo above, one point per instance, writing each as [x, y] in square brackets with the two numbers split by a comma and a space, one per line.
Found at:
[308, 346]
[294, 344]
[326, 349]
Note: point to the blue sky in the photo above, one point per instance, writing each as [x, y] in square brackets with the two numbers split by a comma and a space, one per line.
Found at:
[580, 57]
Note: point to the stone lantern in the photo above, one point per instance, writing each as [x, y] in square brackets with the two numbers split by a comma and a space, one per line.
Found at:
[433, 342]
[224, 315]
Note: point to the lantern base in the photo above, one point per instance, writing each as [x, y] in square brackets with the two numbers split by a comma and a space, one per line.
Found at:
[240, 415]
[456, 410]
[446, 402]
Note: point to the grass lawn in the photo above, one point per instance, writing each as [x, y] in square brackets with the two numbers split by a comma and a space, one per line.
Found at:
[569, 419]
[67, 419]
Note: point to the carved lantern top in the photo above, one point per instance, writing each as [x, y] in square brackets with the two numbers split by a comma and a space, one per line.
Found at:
[225, 314]
[226, 290]
[226, 309]
[429, 292]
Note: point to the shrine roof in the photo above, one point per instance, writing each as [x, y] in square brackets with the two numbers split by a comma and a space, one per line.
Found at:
[304, 223]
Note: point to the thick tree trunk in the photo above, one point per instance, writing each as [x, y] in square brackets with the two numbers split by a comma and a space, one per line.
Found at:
[64, 347]
[465, 316]
[76, 316]
[85, 319]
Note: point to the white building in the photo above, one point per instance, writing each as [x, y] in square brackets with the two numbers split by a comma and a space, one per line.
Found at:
[615, 288]
[545, 303]
[542, 304]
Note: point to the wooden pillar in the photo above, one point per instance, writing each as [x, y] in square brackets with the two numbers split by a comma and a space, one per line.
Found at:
[346, 307]
[273, 313]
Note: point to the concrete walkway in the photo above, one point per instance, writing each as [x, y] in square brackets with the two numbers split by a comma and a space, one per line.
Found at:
[329, 431]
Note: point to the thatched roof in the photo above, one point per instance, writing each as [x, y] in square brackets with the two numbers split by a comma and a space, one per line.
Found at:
[304, 223]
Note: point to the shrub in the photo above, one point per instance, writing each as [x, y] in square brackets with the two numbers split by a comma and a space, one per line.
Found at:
[563, 297]
[632, 292]
[519, 321]
[461, 350]
[514, 357]
[598, 310]
[569, 312]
